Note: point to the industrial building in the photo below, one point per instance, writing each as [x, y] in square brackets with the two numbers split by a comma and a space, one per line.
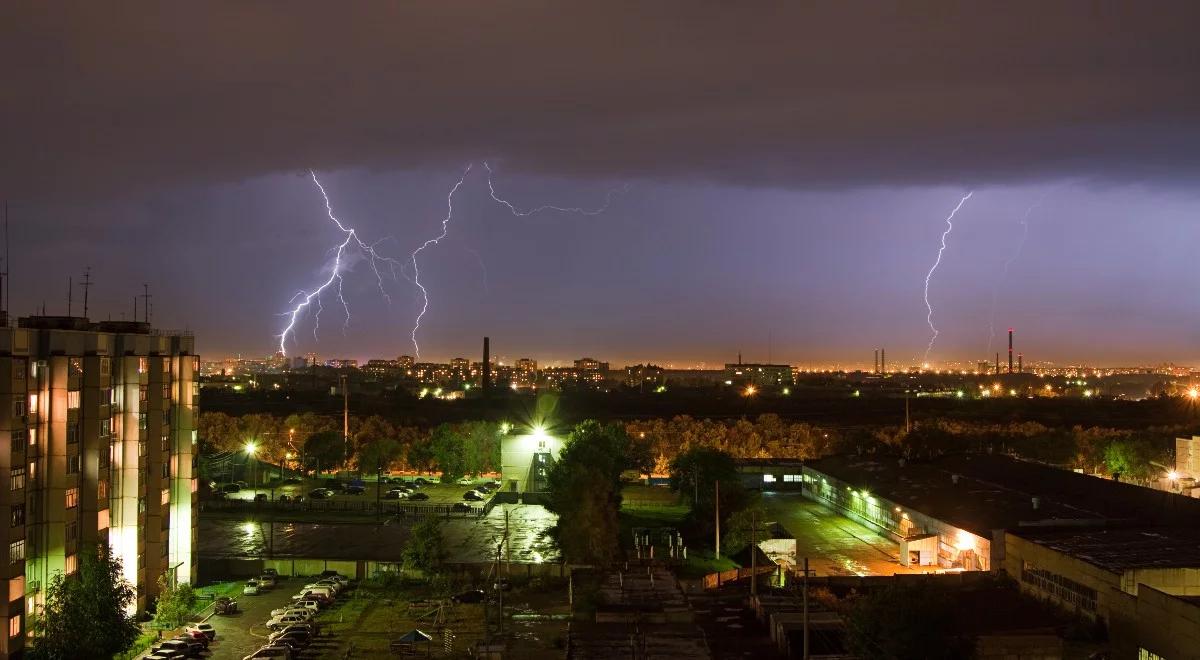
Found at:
[98, 424]
[525, 460]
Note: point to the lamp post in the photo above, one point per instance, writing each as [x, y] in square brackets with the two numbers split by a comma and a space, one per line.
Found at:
[251, 448]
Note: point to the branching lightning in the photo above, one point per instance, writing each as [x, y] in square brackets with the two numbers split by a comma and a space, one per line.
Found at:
[416, 278]
[308, 298]
[929, 275]
[1008, 264]
[549, 207]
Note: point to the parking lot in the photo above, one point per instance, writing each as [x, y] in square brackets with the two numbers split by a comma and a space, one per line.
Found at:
[241, 634]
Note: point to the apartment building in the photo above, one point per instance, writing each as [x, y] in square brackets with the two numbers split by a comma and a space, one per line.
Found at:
[97, 435]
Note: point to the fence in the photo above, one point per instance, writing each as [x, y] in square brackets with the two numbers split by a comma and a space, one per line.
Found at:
[714, 580]
[364, 507]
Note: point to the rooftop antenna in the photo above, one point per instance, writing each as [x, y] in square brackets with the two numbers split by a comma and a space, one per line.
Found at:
[4, 273]
[146, 303]
[135, 309]
[70, 292]
[85, 285]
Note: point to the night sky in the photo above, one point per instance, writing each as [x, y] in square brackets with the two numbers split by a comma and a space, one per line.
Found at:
[789, 168]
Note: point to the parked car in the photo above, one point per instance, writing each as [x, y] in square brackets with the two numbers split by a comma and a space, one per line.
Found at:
[292, 480]
[279, 622]
[322, 597]
[283, 498]
[304, 612]
[418, 496]
[164, 654]
[493, 484]
[241, 483]
[469, 596]
[187, 647]
[334, 575]
[205, 628]
[502, 584]
[460, 507]
[266, 580]
[311, 604]
[260, 497]
[251, 588]
[472, 496]
[300, 636]
[230, 488]
[395, 494]
[320, 493]
[285, 652]
[466, 481]
[225, 605]
[355, 489]
[194, 635]
[421, 481]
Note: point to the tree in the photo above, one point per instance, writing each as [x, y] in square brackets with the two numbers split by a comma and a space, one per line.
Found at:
[325, 449]
[695, 475]
[739, 529]
[85, 614]
[447, 448]
[915, 620]
[423, 551]
[585, 492]
[175, 602]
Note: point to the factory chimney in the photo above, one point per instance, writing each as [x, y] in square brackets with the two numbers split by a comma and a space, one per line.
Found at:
[882, 361]
[1010, 350]
[997, 363]
[487, 366]
[876, 368]
[1020, 363]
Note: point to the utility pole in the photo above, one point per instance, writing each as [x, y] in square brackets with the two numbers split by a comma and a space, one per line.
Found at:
[805, 654]
[907, 425]
[70, 293]
[753, 552]
[145, 303]
[717, 502]
[345, 415]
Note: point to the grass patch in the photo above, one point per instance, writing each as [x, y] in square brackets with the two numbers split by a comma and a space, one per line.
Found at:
[699, 565]
[145, 641]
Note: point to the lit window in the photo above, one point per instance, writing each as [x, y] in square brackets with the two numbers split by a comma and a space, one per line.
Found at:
[102, 490]
[105, 366]
[72, 498]
[143, 365]
[105, 427]
[768, 478]
[166, 496]
[33, 401]
[102, 519]
[16, 551]
[16, 478]
[73, 400]
[72, 563]
[16, 588]
[14, 626]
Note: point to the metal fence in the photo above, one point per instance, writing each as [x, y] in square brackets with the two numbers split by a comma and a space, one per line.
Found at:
[367, 507]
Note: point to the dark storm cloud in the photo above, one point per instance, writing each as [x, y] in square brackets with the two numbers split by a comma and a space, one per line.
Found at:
[101, 96]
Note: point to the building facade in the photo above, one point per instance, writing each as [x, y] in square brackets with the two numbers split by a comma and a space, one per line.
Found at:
[98, 423]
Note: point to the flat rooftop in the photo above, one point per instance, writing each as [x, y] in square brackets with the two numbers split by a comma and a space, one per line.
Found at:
[997, 492]
[1119, 550]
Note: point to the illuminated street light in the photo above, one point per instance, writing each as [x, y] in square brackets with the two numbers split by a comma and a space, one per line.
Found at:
[1193, 393]
[251, 448]
[1172, 475]
[751, 390]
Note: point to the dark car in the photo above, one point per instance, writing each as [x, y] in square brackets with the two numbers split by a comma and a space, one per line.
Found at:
[355, 490]
[421, 481]
[459, 507]
[284, 498]
[230, 488]
[419, 496]
[292, 480]
[320, 493]
[472, 496]
[260, 497]
[469, 596]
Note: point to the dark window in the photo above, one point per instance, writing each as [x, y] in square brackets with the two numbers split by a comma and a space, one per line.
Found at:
[18, 515]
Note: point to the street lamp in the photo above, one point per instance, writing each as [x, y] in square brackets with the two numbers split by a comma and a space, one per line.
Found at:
[251, 447]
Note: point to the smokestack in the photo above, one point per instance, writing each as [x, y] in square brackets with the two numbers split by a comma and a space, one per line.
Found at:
[997, 363]
[487, 365]
[1010, 350]
[876, 369]
[882, 361]
[1020, 363]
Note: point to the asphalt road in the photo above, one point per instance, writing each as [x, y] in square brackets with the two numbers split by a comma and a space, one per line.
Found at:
[834, 544]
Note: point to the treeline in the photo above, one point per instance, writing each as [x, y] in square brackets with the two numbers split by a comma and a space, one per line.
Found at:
[474, 447]
[317, 442]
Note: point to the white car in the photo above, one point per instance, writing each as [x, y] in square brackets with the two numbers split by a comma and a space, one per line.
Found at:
[285, 652]
[313, 605]
[299, 611]
[286, 620]
[205, 628]
[251, 588]
[267, 581]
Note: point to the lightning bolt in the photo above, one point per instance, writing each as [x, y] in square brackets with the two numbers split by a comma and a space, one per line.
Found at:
[308, 298]
[416, 278]
[1008, 264]
[929, 275]
[549, 207]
